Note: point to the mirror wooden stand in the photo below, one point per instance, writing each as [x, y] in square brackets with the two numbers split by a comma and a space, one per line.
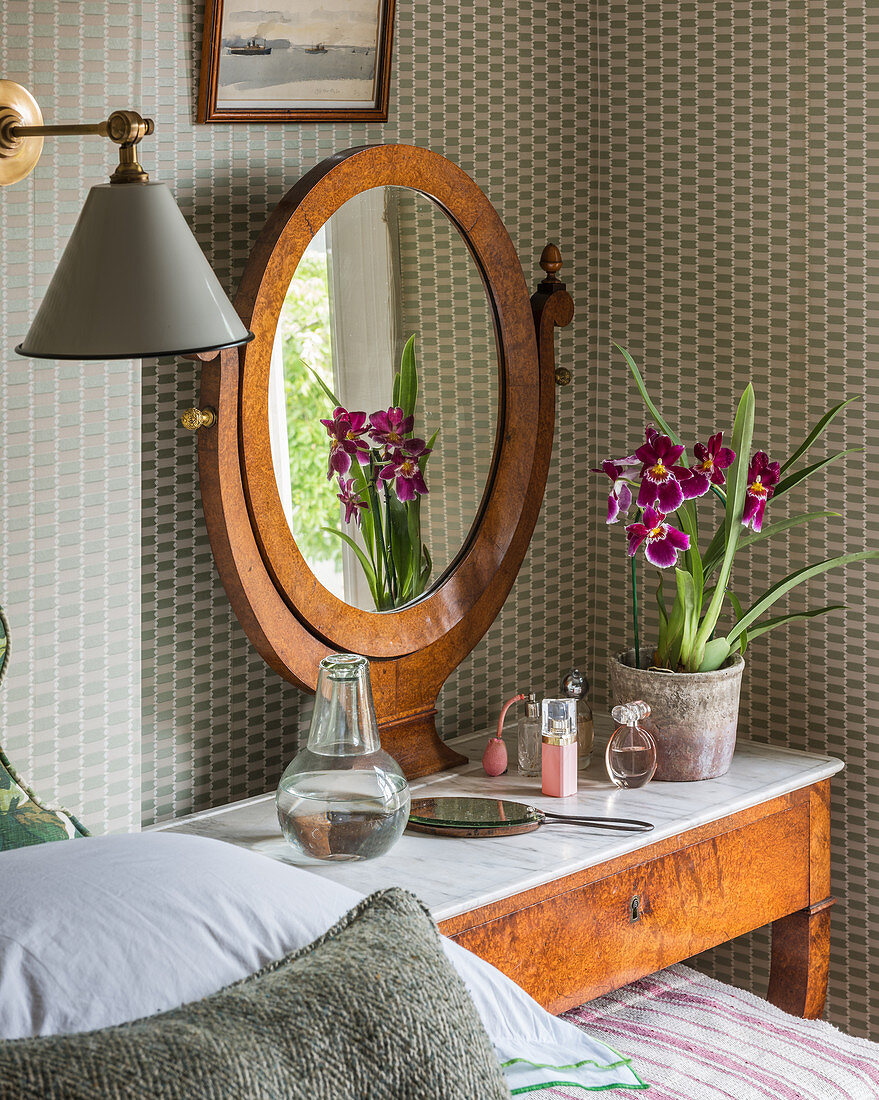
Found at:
[291, 619]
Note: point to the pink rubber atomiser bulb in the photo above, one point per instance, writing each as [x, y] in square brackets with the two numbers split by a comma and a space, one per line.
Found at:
[494, 759]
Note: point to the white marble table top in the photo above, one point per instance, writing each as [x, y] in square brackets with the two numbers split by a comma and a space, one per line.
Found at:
[453, 875]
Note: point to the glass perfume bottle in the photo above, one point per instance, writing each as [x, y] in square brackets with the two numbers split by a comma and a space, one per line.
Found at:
[631, 752]
[529, 737]
[558, 749]
[342, 797]
[576, 686]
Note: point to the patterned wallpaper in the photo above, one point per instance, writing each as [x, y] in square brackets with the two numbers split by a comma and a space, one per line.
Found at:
[69, 449]
[704, 168]
[730, 241]
[217, 723]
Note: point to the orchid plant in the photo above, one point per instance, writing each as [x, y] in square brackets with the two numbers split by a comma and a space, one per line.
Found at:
[379, 465]
[664, 524]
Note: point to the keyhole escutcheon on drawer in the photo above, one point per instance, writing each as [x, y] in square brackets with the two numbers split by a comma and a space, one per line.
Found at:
[635, 908]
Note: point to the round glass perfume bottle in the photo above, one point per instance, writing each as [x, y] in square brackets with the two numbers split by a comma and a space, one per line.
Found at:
[342, 797]
[631, 752]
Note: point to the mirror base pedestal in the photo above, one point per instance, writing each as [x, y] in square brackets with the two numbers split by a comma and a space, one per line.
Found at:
[416, 746]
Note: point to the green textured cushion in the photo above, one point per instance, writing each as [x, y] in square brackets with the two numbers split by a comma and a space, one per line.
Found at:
[23, 820]
[370, 1011]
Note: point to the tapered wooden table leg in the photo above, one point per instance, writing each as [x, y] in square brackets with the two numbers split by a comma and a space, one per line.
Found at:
[801, 960]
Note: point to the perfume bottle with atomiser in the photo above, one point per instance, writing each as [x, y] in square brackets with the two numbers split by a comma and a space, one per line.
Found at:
[576, 686]
[631, 752]
[559, 747]
[529, 738]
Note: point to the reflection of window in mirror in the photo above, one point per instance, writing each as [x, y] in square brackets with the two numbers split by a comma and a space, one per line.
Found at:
[341, 317]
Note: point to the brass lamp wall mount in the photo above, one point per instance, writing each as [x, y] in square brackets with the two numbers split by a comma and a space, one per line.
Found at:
[22, 132]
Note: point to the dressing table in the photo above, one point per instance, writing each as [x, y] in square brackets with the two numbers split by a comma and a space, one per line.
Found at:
[570, 913]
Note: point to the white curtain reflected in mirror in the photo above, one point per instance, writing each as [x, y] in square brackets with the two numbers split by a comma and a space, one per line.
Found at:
[386, 266]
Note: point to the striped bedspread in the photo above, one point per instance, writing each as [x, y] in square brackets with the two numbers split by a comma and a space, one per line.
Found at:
[693, 1038]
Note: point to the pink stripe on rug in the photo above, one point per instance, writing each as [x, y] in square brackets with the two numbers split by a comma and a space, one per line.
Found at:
[693, 1038]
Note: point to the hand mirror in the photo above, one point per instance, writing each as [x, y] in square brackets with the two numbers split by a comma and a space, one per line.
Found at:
[488, 817]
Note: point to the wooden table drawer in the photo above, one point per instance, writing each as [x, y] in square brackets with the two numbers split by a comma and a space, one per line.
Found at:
[570, 946]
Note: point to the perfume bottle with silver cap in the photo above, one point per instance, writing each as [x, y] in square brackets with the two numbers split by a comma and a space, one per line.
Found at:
[631, 752]
[529, 737]
[576, 686]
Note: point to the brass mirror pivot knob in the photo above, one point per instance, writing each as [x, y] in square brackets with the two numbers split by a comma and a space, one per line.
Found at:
[193, 419]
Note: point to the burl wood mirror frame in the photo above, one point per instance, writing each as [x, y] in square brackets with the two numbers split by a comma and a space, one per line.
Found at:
[292, 620]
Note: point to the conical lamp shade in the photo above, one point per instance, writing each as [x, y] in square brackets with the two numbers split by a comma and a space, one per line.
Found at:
[132, 284]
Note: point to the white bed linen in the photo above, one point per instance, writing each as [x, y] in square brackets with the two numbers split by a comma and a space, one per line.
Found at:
[98, 931]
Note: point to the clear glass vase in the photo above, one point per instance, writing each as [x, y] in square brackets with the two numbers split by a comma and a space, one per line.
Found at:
[342, 797]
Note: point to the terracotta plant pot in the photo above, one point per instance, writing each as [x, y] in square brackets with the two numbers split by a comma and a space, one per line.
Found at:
[693, 715]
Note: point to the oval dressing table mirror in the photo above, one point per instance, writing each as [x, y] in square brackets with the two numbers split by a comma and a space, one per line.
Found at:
[380, 260]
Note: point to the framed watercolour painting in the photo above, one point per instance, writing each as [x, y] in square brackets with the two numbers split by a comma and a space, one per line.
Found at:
[296, 61]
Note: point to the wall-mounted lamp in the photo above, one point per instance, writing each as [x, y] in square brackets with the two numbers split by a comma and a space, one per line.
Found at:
[132, 282]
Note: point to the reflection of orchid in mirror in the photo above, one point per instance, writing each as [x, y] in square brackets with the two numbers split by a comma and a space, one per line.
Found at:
[350, 500]
[402, 468]
[380, 465]
[345, 431]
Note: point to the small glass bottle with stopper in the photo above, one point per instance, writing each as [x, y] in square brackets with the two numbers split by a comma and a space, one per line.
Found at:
[576, 686]
[631, 752]
[529, 737]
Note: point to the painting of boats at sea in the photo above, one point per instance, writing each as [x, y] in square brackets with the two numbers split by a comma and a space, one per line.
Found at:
[297, 60]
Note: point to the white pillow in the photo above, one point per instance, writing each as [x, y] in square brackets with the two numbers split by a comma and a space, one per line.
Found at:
[97, 931]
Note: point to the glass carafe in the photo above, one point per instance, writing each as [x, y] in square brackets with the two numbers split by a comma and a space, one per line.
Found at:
[342, 797]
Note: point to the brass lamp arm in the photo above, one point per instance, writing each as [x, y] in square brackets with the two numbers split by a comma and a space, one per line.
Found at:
[21, 123]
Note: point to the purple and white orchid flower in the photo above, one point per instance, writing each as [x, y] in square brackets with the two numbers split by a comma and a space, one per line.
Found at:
[664, 542]
[389, 429]
[712, 460]
[402, 468]
[345, 431]
[763, 476]
[620, 498]
[350, 498]
[664, 485]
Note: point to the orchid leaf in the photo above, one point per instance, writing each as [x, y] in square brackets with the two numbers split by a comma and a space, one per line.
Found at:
[687, 598]
[780, 620]
[336, 402]
[740, 614]
[645, 396]
[743, 433]
[792, 480]
[408, 378]
[365, 563]
[716, 652]
[817, 430]
[714, 553]
[422, 459]
[791, 581]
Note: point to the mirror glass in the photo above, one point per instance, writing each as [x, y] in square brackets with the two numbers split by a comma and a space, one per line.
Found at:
[386, 319]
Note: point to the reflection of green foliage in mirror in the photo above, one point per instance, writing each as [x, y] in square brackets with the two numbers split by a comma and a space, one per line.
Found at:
[304, 328]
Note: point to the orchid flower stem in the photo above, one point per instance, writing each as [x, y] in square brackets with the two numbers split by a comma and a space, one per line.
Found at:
[635, 612]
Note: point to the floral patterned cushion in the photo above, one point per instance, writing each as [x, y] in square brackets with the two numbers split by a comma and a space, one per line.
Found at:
[23, 817]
